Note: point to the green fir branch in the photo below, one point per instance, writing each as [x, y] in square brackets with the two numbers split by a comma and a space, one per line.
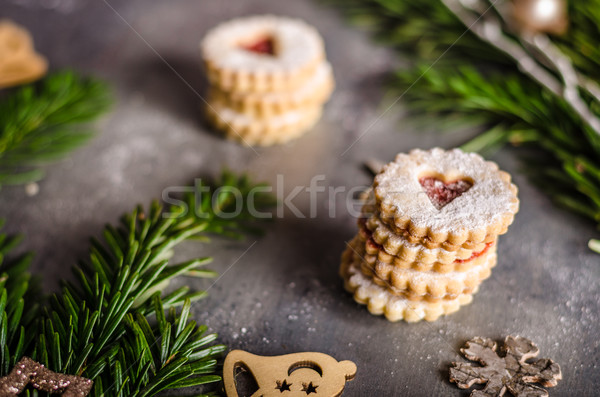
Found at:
[44, 121]
[114, 323]
[19, 308]
[457, 76]
[174, 349]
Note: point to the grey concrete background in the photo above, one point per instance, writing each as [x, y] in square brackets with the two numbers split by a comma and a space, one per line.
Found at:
[283, 294]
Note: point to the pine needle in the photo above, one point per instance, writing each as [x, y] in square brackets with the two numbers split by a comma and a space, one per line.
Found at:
[42, 122]
[19, 297]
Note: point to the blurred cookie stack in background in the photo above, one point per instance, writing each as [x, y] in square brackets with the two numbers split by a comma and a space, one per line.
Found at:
[428, 234]
[269, 78]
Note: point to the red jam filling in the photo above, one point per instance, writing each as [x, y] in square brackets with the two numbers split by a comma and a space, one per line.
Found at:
[476, 254]
[373, 244]
[441, 193]
[264, 46]
[362, 223]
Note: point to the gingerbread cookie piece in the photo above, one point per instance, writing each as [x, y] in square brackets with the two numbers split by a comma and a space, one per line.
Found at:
[30, 373]
[439, 196]
[516, 371]
[19, 63]
[262, 54]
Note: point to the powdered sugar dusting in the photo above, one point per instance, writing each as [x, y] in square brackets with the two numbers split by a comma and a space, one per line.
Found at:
[441, 193]
[484, 204]
[296, 44]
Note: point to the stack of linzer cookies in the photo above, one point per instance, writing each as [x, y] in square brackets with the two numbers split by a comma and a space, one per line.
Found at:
[269, 78]
[428, 234]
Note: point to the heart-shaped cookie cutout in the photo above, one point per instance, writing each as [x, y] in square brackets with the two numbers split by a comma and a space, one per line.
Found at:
[441, 193]
[262, 46]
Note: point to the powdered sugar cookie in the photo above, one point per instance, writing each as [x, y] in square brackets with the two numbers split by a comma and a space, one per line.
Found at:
[424, 285]
[439, 196]
[263, 132]
[380, 301]
[314, 92]
[428, 234]
[427, 285]
[262, 54]
[375, 255]
[400, 240]
[19, 63]
[397, 245]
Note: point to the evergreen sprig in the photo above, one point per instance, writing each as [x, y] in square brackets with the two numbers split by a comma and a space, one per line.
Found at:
[110, 325]
[468, 81]
[42, 122]
[19, 297]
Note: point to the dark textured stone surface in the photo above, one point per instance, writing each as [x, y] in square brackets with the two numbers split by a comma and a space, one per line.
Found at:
[283, 294]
